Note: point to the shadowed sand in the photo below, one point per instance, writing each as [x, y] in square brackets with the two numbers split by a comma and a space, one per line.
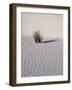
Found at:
[41, 59]
[50, 41]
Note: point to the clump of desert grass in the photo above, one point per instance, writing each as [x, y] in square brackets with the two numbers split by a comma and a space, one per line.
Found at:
[37, 37]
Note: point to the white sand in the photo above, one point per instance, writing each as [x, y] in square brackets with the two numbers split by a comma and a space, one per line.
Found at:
[41, 59]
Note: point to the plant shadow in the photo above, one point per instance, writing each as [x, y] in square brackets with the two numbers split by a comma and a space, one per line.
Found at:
[48, 41]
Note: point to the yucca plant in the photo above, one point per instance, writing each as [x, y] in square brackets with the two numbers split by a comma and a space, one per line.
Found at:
[37, 37]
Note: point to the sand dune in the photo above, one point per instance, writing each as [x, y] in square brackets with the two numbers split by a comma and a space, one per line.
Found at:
[42, 59]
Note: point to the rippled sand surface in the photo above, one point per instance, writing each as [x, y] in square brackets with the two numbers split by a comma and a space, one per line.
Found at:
[42, 59]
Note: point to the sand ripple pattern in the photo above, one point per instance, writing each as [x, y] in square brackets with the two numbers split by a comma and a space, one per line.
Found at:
[43, 59]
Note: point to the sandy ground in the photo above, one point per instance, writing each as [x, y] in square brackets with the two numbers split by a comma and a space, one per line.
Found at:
[42, 59]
